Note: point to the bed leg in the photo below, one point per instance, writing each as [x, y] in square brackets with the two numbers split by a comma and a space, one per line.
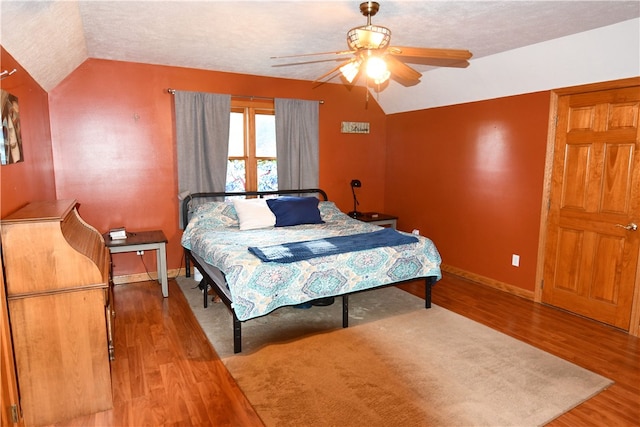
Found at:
[205, 292]
[428, 282]
[237, 334]
[345, 311]
[187, 265]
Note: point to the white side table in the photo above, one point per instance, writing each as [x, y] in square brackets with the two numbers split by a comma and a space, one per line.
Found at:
[381, 219]
[144, 241]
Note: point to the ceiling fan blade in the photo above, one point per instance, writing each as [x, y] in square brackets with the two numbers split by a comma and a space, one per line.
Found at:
[287, 64]
[429, 56]
[341, 52]
[401, 72]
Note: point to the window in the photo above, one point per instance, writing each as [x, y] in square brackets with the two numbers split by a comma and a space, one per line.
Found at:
[252, 162]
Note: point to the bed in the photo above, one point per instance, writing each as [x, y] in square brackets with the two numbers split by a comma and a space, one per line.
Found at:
[307, 252]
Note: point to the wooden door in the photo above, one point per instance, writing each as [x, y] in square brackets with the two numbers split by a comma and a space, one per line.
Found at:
[590, 257]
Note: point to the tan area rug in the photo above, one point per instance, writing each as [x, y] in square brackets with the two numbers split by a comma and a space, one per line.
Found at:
[397, 364]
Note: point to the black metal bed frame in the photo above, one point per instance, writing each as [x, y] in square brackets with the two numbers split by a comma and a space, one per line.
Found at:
[429, 281]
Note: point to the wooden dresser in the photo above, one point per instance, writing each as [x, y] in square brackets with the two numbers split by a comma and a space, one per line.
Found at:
[57, 271]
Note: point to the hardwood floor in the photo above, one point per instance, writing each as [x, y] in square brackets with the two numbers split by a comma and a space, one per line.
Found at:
[165, 371]
[167, 374]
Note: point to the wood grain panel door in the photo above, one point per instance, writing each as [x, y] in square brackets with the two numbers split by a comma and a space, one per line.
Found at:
[591, 254]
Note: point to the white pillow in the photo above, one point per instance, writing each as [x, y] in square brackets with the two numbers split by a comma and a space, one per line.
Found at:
[253, 213]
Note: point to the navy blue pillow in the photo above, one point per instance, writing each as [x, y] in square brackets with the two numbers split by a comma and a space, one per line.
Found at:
[295, 210]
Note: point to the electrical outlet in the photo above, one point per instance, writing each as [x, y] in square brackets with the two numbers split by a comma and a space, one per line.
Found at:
[515, 260]
[139, 252]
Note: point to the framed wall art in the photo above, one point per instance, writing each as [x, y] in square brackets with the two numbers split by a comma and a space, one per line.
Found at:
[355, 127]
[11, 151]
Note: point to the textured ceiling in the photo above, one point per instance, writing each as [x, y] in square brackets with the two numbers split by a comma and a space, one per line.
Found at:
[50, 39]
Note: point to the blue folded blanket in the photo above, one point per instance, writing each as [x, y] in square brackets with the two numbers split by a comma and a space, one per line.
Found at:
[299, 251]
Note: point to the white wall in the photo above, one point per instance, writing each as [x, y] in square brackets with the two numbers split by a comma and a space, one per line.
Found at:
[607, 53]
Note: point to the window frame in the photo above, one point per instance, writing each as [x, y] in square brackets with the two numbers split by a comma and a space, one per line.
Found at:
[249, 108]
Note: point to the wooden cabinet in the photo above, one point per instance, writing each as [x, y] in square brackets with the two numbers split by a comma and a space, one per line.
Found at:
[57, 270]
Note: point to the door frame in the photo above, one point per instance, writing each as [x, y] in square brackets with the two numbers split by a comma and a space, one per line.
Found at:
[634, 326]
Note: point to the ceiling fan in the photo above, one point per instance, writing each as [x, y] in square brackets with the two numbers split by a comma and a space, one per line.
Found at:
[374, 57]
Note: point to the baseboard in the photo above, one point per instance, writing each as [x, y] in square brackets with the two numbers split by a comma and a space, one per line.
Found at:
[143, 277]
[505, 287]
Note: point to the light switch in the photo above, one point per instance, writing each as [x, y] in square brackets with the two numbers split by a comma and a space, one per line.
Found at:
[515, 260]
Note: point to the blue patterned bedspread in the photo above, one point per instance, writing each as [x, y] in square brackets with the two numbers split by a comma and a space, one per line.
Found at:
[257, 288]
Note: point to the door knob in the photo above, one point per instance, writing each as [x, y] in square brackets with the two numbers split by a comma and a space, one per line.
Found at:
[632, 226]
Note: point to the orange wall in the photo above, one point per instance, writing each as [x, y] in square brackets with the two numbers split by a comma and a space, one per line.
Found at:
[33, 179]
[470, 177]
[114, 148]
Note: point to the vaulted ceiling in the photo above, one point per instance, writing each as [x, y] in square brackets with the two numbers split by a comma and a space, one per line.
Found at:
[51, 38]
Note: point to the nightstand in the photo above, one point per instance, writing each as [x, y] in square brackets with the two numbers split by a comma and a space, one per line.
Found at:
[381, 219]
[144, 241]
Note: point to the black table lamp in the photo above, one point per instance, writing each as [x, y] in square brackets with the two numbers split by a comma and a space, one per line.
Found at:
[354, 213]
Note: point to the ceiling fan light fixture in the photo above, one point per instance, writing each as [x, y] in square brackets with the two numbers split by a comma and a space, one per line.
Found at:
[383, 78]
[369, 45]
[377, 69]
[368, 37]
[350, 70]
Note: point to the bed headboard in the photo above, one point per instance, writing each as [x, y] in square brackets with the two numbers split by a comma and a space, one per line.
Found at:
[186, 202]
